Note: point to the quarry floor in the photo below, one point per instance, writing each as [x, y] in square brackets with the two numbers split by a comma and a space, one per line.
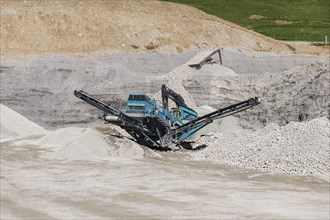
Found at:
[165, 188]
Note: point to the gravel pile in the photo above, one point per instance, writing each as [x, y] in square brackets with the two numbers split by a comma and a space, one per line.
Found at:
[13, 125]
[70, 143]
[299, 148]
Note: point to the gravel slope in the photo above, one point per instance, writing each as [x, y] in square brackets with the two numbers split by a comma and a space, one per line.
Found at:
[14, 125]
[299, 148]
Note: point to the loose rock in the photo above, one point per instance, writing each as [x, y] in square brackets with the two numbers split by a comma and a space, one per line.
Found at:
[299, 148]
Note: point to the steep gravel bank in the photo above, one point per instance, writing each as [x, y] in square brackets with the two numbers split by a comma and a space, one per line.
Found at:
[299, 148]
[296, 94]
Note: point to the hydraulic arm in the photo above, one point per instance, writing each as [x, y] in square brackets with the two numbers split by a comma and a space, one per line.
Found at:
[169, 93]
[186, 112]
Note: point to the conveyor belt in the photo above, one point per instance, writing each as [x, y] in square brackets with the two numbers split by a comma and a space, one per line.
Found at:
[200, 122]
[95, 102]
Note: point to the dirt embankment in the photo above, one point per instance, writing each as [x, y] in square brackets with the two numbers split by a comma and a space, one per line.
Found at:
[41, 27]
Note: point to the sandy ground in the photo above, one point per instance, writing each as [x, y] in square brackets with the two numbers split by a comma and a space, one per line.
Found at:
[35, 188]
[76, 173]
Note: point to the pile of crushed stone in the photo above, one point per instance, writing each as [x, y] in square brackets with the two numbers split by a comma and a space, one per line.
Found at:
[14, 125]
[70, 143]
[73, 143]
[299, 148]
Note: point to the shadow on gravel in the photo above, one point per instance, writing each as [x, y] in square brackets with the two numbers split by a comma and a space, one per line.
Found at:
[188, 146]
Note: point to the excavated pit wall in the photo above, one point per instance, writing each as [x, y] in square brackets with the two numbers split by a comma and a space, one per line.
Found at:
[41, 88]
[298, 94]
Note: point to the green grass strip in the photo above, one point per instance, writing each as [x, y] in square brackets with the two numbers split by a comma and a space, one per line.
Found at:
[292, 20]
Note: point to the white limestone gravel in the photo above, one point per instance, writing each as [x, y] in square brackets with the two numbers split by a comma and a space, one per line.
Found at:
[14, 125]
[70, 143]
[299, 148]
